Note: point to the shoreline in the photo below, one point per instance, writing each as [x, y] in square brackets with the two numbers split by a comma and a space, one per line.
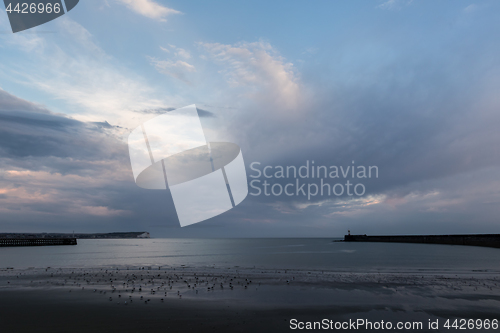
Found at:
[201, 298]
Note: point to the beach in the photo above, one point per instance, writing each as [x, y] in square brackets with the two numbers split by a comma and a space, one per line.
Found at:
[234, 299]
[249, 166]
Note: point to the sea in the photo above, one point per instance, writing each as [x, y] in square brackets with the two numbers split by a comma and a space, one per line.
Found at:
[270, 253]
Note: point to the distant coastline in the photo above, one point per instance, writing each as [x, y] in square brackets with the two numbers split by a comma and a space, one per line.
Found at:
[111, 235]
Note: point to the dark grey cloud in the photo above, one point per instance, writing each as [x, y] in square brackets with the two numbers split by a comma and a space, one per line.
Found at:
[205, 114]
[28, 131]
[201, 112]
[59, 173]
[417, 117]
[156, 111]
[426, 116]
[421, 105]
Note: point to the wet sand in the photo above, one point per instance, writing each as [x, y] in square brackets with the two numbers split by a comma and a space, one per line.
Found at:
[210, 299]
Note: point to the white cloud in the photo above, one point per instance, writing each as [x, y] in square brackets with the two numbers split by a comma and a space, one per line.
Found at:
[36, 191]
[389, 4]
[259, 68]
[82, 36]
[149, 8]
[177, 69]
[183, 53]
[470, 8]
[332, 206]
[394, 4]
[82, 75]
[179, 52]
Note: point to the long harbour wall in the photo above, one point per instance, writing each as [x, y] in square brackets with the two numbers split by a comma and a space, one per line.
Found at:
[36, 241]
[488, 240]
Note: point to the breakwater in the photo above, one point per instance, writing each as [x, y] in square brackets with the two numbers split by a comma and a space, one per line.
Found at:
[488, 240]
[115, 235]
[36, 241]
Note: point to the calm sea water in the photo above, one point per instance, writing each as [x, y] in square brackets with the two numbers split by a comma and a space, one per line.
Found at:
[265, 253]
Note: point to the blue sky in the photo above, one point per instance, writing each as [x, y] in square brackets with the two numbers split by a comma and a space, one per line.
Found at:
[335, 42]
[410, 86]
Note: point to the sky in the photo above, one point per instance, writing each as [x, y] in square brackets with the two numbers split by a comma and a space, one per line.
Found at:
[410, 87]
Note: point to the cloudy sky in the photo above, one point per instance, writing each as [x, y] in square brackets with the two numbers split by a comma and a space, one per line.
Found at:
[411, 87]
